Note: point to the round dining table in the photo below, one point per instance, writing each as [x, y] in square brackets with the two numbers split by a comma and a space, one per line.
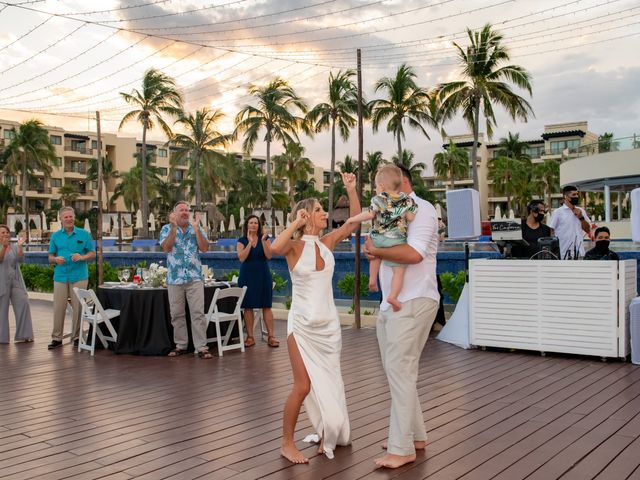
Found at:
[144, 325]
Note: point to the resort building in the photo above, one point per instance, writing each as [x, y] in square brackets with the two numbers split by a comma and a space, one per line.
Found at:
[557, 142]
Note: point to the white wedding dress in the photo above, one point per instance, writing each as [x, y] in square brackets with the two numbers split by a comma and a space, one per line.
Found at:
[314, 322]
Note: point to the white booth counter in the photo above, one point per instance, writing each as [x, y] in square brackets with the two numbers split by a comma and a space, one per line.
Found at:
[579, 307]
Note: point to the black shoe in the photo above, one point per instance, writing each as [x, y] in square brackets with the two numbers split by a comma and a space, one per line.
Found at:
[54, 344]
[75, 342]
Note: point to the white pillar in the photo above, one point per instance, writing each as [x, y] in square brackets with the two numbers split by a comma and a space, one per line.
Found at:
[607, 203]
[619, 205]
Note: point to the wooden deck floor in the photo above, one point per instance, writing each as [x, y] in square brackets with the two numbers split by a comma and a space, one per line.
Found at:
[489, 414]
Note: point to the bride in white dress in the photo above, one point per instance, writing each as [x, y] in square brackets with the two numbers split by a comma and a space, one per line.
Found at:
[314, 338]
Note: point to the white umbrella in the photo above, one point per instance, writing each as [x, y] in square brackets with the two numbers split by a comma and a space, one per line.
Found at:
[221, 226]
[498, 213]
[44, 221]
[241, 215]
[512, 216]
[138, 219]
[87, 227]
[232, 223]
[152, 223]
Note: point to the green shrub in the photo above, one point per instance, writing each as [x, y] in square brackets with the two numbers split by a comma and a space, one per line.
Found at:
[452, 285]
[229, 274]
[279, 281]
[347, 284]
[37, 278]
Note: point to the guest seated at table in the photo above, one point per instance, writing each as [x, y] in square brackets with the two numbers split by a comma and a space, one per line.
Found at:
[254, 252]
[181, 241]
[601, 250]
[12, 289]
[532, 230]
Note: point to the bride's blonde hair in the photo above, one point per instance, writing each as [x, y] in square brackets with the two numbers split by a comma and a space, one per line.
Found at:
[307, 205]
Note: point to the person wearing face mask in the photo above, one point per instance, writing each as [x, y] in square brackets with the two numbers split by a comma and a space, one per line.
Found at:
[601, 250]
[532, 230]
[570, 223]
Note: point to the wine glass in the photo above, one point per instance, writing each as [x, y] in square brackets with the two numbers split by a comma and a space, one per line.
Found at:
[125, 274]
[121, 275]
[146, 275]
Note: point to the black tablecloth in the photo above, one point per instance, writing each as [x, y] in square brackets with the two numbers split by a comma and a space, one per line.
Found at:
[144, 326]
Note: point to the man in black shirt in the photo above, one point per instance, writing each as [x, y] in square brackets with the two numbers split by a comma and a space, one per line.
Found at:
[532, 230]
[601, 250]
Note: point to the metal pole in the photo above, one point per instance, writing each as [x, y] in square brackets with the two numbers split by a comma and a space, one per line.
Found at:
[356, 293]
[99, 257]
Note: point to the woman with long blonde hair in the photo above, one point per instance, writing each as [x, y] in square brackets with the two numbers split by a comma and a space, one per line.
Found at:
[314, 339]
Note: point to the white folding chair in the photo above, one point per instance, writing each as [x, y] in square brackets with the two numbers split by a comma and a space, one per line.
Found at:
[258, 318]
[94, 314]
[216, 316]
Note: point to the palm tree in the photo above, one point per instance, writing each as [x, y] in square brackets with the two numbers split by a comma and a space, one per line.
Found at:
[6, 199]
[512, 147]
[68, 193]
[276, 101]
[452, 164]
[130, 186]
[198, 144]
[159, 96]
[374, 160]
[406, 160]
[108, 174]
[484, 84]
[349, 165]
[606, 143]
[220, 173]
[548, 175]
[504, 172]
[340, 111]
[293, 167]
[405, 101]
[252, 185]
[306, 189]
[30, 150]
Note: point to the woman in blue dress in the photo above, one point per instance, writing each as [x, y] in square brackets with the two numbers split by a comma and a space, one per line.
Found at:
[254, 252]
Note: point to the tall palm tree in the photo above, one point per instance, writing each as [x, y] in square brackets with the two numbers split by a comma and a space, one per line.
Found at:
[485, 83]
[274, 113]
[198, 144]
[130, 185]
[293, 166]
[30, 150]
[349, 165]
[108, 174]
[505, 172]
[405, 101]
[548, 175]
[452, 164]
[374, 161]
[406, 159]
[252, 185]
[220, 173]
[339, 111]
[158, 96]
[512, 147]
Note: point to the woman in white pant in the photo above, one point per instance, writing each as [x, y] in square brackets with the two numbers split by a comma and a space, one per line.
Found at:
[12, 289]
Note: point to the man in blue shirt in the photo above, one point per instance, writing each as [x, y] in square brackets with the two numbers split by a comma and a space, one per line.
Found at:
[182, 242]
[70, 249]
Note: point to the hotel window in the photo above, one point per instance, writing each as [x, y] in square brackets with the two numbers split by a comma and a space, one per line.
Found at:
[558, 147]
[55, 139]
[56, 182]
[94, 144]
[162, 171]
[9, 134]
[162, 152]
[534, 152]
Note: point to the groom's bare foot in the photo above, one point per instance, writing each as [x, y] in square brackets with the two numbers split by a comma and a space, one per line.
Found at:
[394, 461]
[418, 445]
[291, 453]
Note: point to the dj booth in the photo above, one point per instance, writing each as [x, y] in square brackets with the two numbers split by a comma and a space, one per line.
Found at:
[579, 307]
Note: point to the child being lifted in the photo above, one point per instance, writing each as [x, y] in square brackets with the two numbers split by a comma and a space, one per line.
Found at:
[391, 212]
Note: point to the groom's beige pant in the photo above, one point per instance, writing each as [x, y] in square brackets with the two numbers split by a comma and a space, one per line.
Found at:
[401, 337]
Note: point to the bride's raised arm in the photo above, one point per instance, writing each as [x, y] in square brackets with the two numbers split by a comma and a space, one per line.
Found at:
[283, 242]
[336, 236]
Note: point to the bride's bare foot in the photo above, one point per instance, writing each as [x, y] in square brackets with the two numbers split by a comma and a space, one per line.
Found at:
[418, 445]
[291, 453]
[394, 461]
[321, 447]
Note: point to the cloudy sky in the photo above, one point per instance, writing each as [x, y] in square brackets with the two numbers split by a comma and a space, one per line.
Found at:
[62, 60]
